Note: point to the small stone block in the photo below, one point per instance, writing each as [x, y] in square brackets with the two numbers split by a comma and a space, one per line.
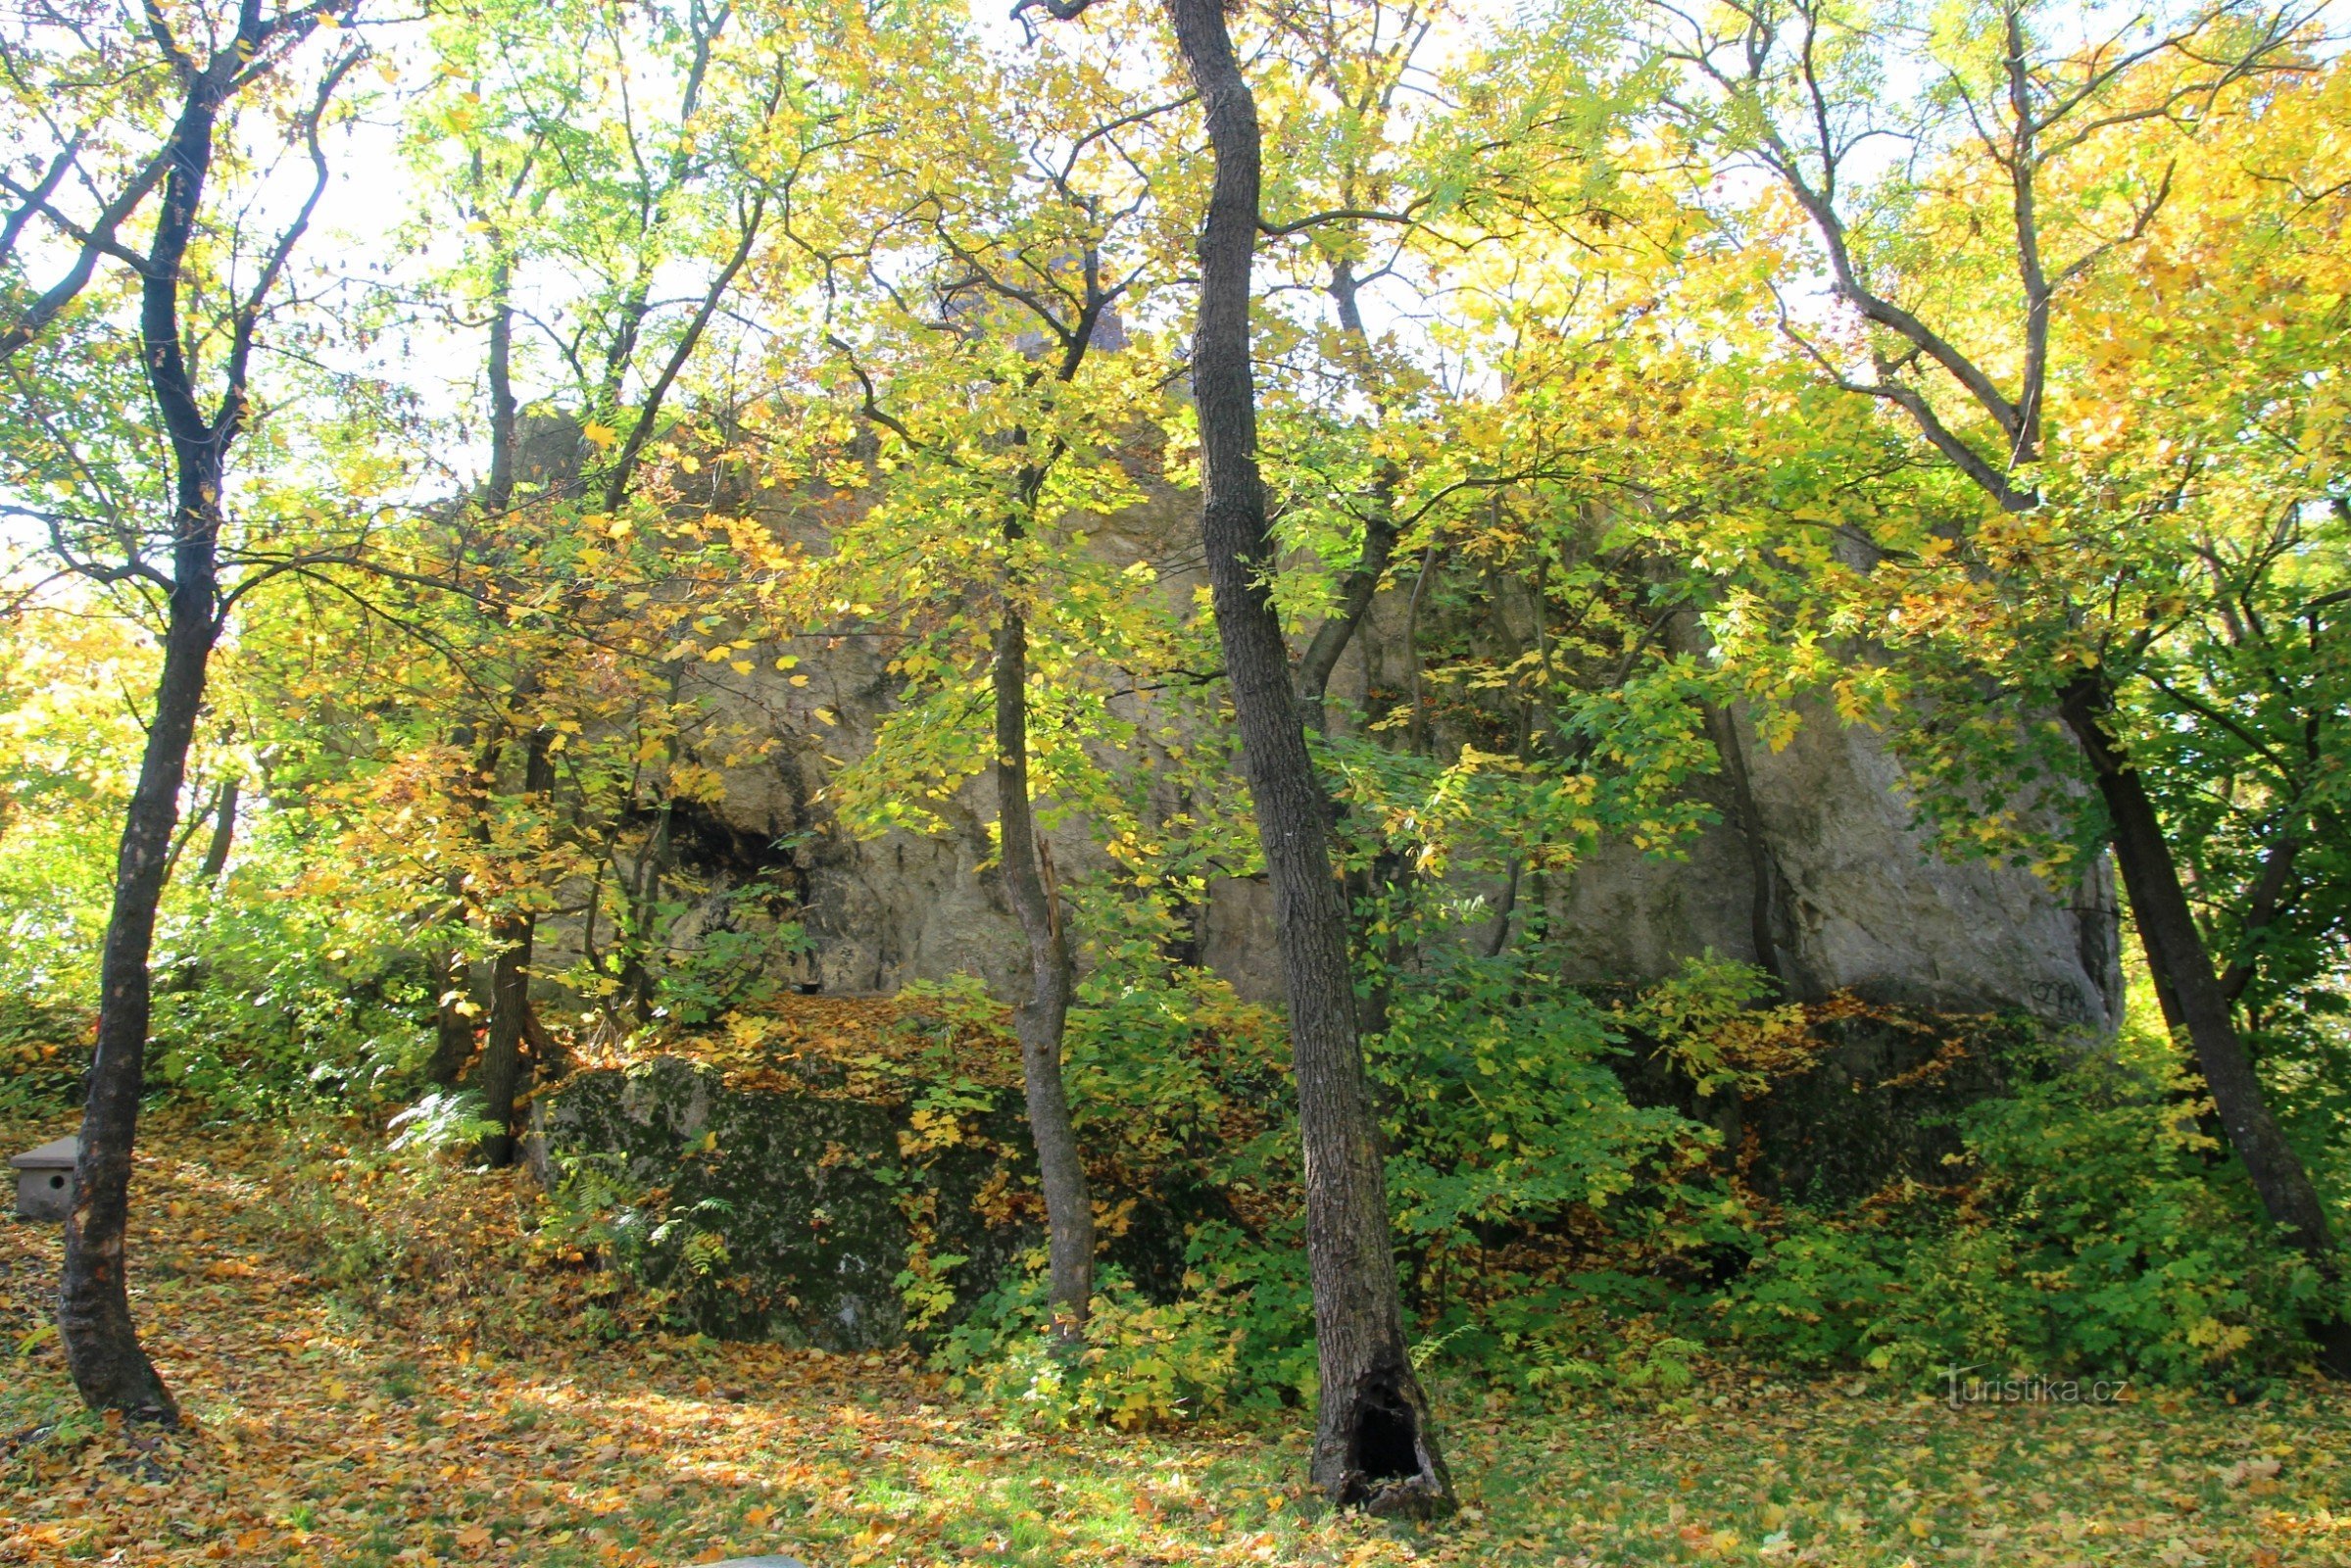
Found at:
[45, 1179]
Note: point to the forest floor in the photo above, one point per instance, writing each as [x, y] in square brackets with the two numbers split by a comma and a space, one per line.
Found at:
[332, 1424]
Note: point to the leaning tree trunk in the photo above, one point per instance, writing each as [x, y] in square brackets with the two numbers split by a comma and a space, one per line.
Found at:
[1039, 1021]
[501, 1065]
[1373, 1444]
[2166, 926]
[101, 1344]
[93, 1311]
[93, 1314]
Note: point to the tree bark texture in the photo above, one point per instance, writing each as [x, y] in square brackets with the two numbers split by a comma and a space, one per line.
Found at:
[514, 932]
[1373, 1444]
[1039, 1021]
[2166, 926]
[501, 1066]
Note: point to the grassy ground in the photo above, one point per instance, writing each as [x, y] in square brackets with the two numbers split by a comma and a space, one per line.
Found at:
[332, 1425]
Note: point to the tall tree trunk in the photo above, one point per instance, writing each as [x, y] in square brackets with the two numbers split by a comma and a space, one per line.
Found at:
[1373, 1443]
[499, 492]
[513, 931]
[452, 972]
[2166, 926]
[501, 1066]
[1039, 1021]
[93, 1312]
[101, 1342]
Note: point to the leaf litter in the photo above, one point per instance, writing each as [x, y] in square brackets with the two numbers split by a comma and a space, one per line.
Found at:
[457, 1411]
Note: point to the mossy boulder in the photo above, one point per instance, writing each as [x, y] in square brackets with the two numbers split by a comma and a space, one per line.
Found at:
[828, 1207]
[853, 1173]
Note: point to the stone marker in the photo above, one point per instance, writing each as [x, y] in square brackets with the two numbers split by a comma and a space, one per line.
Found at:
[45, 1179]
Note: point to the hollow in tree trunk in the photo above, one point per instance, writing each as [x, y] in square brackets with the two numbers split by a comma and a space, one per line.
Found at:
[2176, 954]
[1373, 1443]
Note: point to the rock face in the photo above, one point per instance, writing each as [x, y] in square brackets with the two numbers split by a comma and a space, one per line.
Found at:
[1865, 904]
[852, 1173]
[1861, 903]
[1875, 912]
[1867, 907]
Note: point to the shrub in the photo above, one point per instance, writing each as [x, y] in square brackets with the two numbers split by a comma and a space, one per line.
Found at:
[2092, 1229]
[1503, 1107]
[1143, 1363]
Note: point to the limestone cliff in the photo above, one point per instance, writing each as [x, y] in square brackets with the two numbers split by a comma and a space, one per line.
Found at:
[1862, 903]
[1814, 851]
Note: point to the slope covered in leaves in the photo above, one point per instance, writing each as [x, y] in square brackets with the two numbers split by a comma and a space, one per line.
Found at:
[384, 1369]
[864, 1046]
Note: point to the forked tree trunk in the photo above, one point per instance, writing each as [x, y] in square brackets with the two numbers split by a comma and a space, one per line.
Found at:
[93, 1311]
[501, 1065]
[1373, 1444]
[1039, 1021]
[2166, 926]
